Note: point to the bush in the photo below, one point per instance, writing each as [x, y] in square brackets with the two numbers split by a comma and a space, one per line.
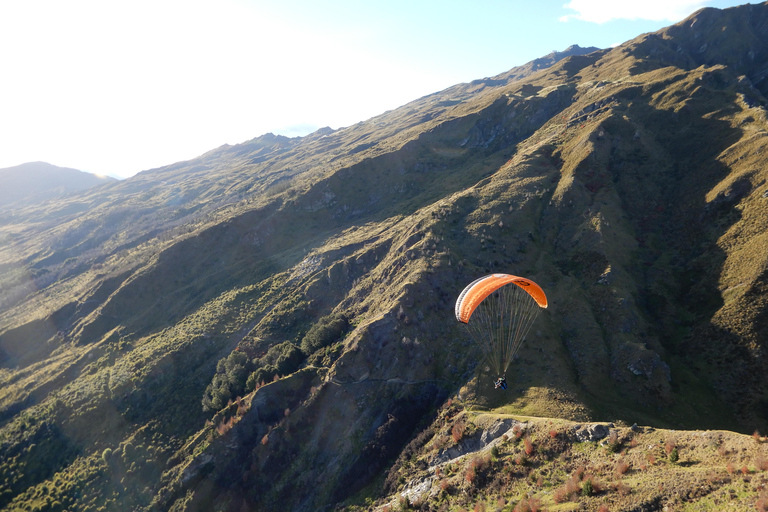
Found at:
[286, 357]
[325, 332]
[528, 446]
[264, 374]
[457, 431]
[237, 375]
[228, 382]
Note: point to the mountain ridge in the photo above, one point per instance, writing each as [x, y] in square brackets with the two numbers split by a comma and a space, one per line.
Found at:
[36, 182]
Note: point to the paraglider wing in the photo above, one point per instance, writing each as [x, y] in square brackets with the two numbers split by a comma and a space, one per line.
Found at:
[481, 288]
[498, 310]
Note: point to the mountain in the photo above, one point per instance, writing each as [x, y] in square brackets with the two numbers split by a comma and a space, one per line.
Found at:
[35, 182]
[270, 326]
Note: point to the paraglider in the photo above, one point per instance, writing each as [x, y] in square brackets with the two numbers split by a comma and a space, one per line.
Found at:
[498, 311]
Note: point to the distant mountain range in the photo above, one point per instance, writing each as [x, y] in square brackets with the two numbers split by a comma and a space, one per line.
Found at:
[270, 326]
[35, 182]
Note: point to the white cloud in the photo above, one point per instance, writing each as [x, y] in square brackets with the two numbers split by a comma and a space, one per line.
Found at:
[601, 11]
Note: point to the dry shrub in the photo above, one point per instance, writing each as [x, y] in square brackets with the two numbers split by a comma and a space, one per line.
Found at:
[591, 486]
[479, 507]
[651, 458]
[762, 503]
[457, 431]
[528, 445]
[762, 464]
[517, 431]
[669, 446]
[603, 508]
[729, 468]
[756, 436]
[479, 463]
[560, 495]
[621, 467]
[569, 491]
[553, 434]
[529, 505]
[622, 489]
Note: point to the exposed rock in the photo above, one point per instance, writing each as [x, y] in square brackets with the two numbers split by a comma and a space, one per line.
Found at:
[593, 432]
[478, 441]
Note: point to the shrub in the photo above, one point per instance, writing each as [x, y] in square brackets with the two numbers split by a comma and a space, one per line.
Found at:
[260, 376]
[587, 489]
[106, 455]
[622, 489]
[528, 445]
[529, 505]
[326, 331]
[569, 491]
[457, 431]
[228, 382]
[560, 495]
[674, 455]
[614, 444]
[621, 467]
[591, 486]
[762, 503]
[285, 357]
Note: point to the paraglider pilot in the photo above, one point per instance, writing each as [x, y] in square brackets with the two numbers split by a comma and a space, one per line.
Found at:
[501, 383]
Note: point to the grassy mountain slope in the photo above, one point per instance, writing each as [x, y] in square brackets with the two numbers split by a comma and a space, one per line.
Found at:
[267, 326]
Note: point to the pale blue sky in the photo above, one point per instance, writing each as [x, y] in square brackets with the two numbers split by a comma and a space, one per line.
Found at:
[116, 87]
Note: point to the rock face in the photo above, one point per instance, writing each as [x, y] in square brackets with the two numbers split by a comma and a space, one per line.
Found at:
[269, 325]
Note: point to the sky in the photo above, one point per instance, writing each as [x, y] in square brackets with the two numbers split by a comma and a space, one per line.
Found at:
[119, 86]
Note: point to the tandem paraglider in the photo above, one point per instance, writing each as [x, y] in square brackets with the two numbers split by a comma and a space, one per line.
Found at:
[498, 310]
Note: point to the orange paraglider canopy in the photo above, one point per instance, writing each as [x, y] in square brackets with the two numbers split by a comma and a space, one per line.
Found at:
[478, 290]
